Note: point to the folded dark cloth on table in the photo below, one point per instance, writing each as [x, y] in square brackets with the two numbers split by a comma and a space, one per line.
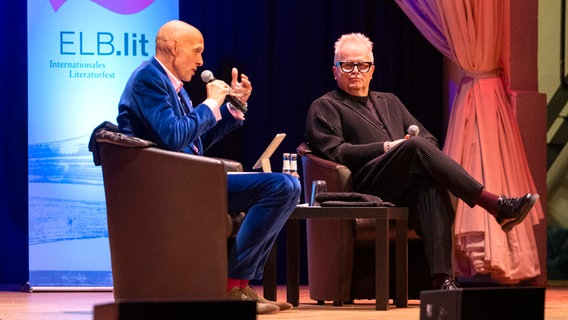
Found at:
[350, 199]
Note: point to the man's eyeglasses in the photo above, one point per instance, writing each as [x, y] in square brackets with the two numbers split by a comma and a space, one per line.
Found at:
[348, 66]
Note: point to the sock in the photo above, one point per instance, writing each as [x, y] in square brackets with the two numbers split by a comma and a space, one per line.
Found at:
[239, 283]
[231, 283]
[488, 201]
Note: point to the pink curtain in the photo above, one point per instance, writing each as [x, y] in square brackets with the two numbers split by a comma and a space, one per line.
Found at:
[483, 136]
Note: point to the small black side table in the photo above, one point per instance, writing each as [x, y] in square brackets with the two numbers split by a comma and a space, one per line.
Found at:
[383, 216]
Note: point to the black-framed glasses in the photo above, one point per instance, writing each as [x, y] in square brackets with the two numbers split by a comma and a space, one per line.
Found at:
[349, 66]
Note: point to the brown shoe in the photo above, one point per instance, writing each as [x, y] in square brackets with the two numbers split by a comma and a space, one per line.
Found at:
[261, 307]
[253, 295]
[512, 211]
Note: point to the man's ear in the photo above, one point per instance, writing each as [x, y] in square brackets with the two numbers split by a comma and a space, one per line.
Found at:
[173, 46]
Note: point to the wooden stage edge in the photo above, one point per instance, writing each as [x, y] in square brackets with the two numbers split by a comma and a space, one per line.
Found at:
[79, 305]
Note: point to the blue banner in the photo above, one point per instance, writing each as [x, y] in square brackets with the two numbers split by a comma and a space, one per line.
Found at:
[80, 55]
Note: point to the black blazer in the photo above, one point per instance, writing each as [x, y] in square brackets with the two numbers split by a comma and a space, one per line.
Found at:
[341, 129]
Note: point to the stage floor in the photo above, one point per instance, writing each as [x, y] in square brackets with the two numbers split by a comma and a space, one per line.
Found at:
[79, 306]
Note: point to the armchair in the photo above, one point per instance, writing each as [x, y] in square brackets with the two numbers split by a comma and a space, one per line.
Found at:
[341, 252]
[167, 217]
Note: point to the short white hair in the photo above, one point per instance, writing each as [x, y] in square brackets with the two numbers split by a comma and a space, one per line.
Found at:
[350, 38]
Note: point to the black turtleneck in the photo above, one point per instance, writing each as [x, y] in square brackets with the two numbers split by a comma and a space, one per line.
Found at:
[361, 100]
[365, 102]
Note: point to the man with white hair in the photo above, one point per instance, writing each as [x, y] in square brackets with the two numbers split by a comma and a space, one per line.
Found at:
[367, 131]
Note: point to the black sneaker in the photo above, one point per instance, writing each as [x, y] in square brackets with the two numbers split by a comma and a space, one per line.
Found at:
[450, 284]
[512, 211]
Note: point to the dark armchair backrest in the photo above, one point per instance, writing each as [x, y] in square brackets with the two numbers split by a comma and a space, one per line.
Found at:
[337, 176]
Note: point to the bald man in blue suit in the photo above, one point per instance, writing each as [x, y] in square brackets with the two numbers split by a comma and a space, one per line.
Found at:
[155, 106]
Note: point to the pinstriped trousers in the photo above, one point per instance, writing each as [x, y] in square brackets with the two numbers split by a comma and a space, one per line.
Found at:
[418, 175]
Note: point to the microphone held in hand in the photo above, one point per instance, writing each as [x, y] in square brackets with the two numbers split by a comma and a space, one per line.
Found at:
[413, 131]
[207, 76]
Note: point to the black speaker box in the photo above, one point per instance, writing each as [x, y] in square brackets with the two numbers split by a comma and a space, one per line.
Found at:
[483, 303]
[159, 310]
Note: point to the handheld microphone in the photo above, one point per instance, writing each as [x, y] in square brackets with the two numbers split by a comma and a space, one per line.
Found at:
[207, 76]
[413, 131]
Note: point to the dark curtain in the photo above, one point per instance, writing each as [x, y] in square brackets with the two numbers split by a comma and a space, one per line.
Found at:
[13, 153]
[286, 48]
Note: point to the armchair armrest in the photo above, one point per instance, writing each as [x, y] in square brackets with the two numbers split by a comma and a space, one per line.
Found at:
[231, 165]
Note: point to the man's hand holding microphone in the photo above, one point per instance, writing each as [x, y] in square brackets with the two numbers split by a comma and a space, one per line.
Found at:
[413, 131]
[237, 94]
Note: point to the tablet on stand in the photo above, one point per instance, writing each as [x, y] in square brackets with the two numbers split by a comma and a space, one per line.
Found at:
[264, 160]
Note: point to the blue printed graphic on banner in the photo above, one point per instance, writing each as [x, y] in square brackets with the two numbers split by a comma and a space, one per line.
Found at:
[80, 55]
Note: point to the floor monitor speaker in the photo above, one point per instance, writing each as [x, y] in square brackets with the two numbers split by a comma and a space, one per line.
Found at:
[483, 303]
[159, 310]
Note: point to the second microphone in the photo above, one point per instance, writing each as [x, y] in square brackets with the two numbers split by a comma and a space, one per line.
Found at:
[207, 76]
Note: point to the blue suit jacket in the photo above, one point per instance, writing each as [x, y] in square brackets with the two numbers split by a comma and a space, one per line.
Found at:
[150, 109]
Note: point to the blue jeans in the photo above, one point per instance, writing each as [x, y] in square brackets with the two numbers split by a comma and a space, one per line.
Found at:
[268, 199]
